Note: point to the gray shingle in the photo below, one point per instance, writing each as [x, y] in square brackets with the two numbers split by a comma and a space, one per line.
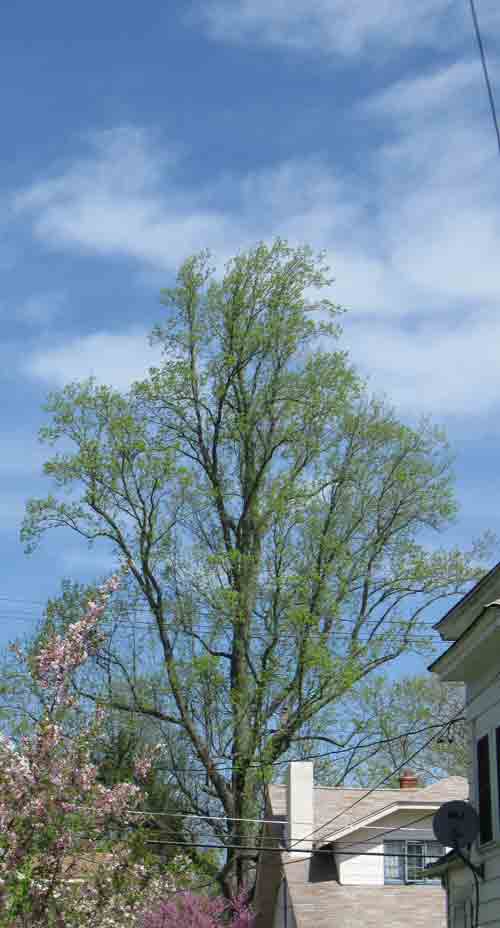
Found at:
[337, 802]
[329, 905]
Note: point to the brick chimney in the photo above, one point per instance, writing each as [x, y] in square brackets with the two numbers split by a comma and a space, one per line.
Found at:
[408, 780]
[300, 814]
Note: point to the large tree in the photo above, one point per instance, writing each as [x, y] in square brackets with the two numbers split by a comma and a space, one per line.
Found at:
[384, 721]
[271, 513]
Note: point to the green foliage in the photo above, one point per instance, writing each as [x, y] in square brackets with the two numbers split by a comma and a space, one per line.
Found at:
[272, 515]
[384, 709]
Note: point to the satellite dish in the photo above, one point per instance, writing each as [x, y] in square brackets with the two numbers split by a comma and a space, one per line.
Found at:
[455, 824]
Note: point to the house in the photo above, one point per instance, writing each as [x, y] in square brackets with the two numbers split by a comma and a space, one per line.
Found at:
[361, 868]
[472, 629]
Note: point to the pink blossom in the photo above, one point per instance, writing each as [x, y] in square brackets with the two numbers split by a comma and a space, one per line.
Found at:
[190, 911]
[63, 655]
[52, 807]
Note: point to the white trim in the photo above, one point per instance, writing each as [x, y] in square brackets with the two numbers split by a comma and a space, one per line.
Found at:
[452, 661]
[404, 806]
[459, 617]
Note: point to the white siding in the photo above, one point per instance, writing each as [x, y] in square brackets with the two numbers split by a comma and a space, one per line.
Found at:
[356, 869]
[483, 713]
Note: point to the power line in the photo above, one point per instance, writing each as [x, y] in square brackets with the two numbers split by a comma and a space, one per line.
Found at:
[277, 850]
[485, 72]
[315, 756]
[306, 857]
[335, 751]
[145, 610]
[377, 786]
[30, 615]
[389, 831]
[258, 821]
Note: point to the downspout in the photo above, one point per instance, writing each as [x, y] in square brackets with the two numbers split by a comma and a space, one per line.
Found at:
[446, 886]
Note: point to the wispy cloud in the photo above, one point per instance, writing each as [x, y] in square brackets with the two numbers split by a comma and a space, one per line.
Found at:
[113, 359]
[450, 367]
[413, 243]
[346, 27]
[121, 200]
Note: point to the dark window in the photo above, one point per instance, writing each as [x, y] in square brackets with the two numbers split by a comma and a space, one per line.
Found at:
[484, 790]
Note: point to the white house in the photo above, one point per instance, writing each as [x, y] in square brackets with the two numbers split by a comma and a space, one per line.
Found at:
[473, 628]
[362, 865]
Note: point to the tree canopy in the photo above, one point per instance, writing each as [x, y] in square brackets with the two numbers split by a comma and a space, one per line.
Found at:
[271, 513]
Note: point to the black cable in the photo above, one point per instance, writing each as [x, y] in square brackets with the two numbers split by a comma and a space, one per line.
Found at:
[396, 635]
[389, 831]
[485, 71]
[373, 788]
[357, 747]
[278, 850]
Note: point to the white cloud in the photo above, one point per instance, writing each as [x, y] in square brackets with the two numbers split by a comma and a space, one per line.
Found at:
[449, 369]
[115, 360]
[112, 203]
[413, 242]
[347, 27]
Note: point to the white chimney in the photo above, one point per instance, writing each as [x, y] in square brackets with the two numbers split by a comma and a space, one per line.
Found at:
[300, 812]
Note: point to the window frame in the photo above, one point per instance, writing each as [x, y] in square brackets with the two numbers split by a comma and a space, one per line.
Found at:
[427, 857]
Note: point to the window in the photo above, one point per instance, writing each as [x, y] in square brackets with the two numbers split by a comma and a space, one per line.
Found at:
[404, 860]
[394, 864]
[484, 790]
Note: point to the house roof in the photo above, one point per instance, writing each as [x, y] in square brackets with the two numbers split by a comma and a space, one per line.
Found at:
[449, 665]
[351, 808]
[321, 905]
[459, 617]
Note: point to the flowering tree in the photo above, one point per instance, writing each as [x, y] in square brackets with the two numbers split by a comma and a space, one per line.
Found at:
[55, 815]
[190, 911]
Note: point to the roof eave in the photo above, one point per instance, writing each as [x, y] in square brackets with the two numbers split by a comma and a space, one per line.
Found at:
[456, 665]
[399, 806]
[460, 613]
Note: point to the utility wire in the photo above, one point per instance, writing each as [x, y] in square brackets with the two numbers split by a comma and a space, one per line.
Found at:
[372, 790]
[485, 72]
[277, 850]
[258, 821]
[389, 831]
[219, 627]
[335, 751]
[317, 851]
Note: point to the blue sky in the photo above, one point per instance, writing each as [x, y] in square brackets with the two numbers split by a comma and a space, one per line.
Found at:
[135, 134]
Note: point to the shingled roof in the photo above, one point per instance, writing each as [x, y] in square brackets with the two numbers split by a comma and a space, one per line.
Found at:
[330, 905]
[337, 803]
[317, 898]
